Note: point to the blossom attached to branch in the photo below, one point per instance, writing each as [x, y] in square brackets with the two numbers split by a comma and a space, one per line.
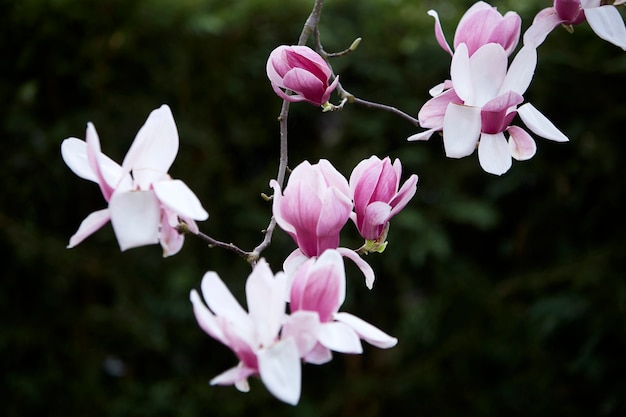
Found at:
[604, 19]
[377, 194]
[300, 70]
[145, 205]
[479, 103]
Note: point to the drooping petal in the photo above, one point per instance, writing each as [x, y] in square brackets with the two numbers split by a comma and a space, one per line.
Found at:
[540, 124]
[89, 225]
[545, 21]
[607, 23]
[280, 369]
[521, 144]
[154, 149]
[135, 217]
[170, 239]
[371, 334]
[425, 135]
[367, 270]
[237, 376]
[494, 154]
[461, 130]
[178, 197]
[340, 338]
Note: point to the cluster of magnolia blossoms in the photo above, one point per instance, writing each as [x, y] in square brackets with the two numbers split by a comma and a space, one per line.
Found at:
[313, 209]
[273, 344]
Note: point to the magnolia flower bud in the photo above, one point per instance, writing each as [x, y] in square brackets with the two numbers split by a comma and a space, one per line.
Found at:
[302, 71]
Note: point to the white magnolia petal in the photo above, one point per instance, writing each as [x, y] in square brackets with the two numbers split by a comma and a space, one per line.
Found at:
[265, 295]
[206, 320]
[607, 23]
[461, 74]
[494, 154]
[461, 130]
[222, 303]
[339, 337]
[521, 71]
[540, 124]
[178, 197]
[280, 369]
[425, 135]
[371, 334]
[488, 69]
[154, 149]
[89, 225]
[74, 153]
[135, 217]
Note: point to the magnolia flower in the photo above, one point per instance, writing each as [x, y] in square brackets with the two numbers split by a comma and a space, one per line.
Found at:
[480, 104]
[317, 292]
[605, 20]
[301, 70]
[253, 335]
[314, 206]
[374, 184]
[144, 203]
[482, 24]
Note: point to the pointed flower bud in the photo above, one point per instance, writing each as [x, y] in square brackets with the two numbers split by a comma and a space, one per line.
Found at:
[301, 70]
[374, 184]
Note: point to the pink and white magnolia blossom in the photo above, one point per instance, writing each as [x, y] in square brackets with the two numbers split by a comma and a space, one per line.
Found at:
[313, 209]
[482, 24]
[374, 184]
[301, 70]
[317, 292]
[314, 206]
[605, 20]
[477, 106]
[254, 336]
[144, 203]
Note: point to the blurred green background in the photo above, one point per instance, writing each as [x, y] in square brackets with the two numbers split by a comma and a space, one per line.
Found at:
[507, 294]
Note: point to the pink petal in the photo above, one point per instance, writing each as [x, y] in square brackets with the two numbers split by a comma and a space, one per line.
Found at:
[425, 135]
[521, 144]
[306, 84]
[335, 212]
[94, 156]
[206, 320]
[277, 212]
[371, 334]
[488, 70]
[89, 225]
[432, 112]
[280, 369]
[376, 215]
[135, 217]
[461, 130]
[333, 178]
[441, 39]
[540, 124]
[507, 32]
[404, 195]
[170, 239]
[303, 327]
[607, 23]
[178, 197]
[494, 154]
